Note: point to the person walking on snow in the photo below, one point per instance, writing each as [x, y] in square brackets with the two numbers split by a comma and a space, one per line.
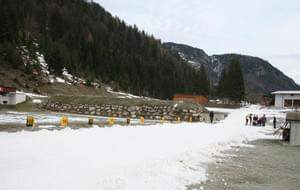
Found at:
[211, 116]
[247, 119]
[274, 122]
[264, 120]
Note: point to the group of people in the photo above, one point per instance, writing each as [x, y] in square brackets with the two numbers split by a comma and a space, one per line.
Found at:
[254, 120]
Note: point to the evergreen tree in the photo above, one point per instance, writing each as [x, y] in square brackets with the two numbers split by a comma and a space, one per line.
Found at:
[235, 79]
[55, 58]
[221, 92]
[231, 82]
[11, 55]
[204, 81]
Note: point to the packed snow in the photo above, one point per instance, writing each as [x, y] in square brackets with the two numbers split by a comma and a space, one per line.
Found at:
[162, 156]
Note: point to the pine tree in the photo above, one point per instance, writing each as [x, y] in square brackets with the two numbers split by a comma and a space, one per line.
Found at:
[236, 81]
[222, 84]
[204, 81]
[54, 58]
[11, 55]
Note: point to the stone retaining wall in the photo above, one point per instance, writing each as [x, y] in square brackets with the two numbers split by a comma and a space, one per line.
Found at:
[148, 112]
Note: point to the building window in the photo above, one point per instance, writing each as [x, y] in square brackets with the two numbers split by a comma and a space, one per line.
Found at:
[288, 103]
[297, 103]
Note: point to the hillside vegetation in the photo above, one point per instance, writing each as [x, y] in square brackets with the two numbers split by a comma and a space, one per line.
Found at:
[90, 43]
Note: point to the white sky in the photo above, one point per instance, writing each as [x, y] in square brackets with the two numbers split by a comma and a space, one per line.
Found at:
[269, 29]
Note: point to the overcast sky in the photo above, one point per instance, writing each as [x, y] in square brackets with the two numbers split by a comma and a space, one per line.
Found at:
[269, 29]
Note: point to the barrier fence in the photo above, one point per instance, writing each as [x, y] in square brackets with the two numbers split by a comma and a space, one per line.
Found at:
[30, 122]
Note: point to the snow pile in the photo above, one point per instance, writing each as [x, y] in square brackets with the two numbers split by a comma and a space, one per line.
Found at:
[40, 59]
[67, 77]
[182, 55]
[194, 63]
[164, 156]
[36, 98]
[126, 95]
[36, 101]
[43, 64]
[46, 126]
[33, 95]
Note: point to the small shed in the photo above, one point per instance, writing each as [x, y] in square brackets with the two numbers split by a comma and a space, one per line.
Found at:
[196, 98]
[10, 96]
[293, 118]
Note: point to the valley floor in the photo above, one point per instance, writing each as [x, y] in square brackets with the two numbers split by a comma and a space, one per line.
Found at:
[154, 156]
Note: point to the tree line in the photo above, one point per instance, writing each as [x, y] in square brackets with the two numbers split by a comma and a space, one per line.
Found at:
[231, 82]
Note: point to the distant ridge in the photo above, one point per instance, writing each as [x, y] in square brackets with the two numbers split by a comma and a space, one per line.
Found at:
[259, 75]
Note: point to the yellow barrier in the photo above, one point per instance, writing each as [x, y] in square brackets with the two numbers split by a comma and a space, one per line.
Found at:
[207, 119]
[64, 121]
[200, 118]
[91, 120]
[111, 121]
[191, 119]
[163, 119]
[142, 120]
[178, 119]
[30, 121]
[128, 120]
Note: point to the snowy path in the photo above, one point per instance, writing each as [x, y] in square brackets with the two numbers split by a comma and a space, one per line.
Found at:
[168, 156]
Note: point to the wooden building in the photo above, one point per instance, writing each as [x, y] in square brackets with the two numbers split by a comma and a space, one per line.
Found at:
[196, 98]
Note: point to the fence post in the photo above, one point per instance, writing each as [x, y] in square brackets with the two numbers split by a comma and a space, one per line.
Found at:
[30, 121]
[163, 119]
[111, 121]
[64, 121]
[91, 120]
[178, 119]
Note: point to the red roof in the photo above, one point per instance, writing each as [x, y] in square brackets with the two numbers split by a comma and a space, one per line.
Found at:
[4, 89]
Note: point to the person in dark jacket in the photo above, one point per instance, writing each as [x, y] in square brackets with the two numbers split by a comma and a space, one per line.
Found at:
[264, 120]
[274, 122]
[255, 118]
[211, 116]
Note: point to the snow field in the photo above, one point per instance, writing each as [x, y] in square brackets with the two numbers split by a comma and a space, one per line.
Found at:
[163, 156]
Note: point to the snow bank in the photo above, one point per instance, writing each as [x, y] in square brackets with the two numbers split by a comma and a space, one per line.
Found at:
[164, 156]
[36, 101]
[127, 95]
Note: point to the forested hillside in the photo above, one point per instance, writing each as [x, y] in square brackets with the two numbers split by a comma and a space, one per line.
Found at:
[86, 40]
[259, 75]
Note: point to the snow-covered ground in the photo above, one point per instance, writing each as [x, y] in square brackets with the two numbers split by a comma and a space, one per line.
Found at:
[127, 95]
[13, 117]
[162, 156]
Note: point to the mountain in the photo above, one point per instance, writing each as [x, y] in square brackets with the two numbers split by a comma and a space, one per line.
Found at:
[259, 75]
[197, 57]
